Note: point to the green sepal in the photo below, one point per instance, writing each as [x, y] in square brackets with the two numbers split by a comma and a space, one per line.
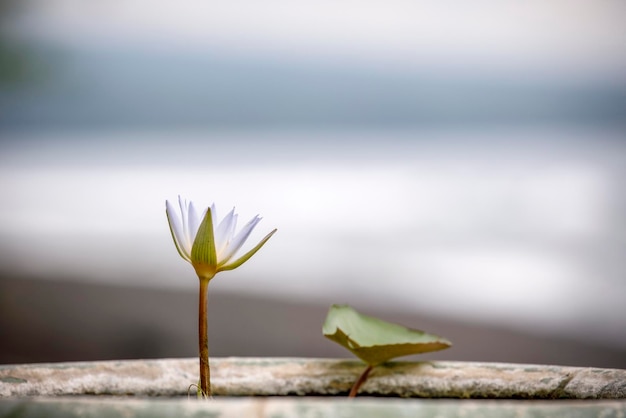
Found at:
[376, 341]
[246, 256]
[203, 249]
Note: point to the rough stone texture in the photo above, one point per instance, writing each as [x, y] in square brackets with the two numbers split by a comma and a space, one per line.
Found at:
[296, 376]
[306, 407]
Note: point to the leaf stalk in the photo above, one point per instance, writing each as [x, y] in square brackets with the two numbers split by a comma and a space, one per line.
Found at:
[357, 385]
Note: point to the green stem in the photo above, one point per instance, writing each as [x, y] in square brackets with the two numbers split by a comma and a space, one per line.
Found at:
[203, 340]
[360, 381]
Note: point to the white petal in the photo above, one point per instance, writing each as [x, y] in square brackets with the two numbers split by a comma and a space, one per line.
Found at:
[213, 215]
[193, 223]
[177, 231]
[239, 239]
[184, 214]
[224, 232]
[219, 226]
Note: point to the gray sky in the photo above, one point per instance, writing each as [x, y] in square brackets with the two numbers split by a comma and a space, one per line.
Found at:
[558, 37]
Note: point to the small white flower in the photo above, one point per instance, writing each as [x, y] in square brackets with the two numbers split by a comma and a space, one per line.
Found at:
[209, 249]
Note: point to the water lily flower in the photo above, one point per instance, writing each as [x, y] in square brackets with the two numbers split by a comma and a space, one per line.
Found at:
[209, 249]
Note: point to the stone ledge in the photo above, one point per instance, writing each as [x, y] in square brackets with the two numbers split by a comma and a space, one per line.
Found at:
[306, 407]
[315, 377]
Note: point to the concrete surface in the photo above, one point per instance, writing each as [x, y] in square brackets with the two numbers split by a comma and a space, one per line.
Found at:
[318, 377]
[307, 408]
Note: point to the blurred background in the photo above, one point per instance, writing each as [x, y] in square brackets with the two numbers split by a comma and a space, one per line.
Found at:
[457, 168]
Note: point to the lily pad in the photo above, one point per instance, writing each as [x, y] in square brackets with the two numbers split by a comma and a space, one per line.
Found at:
[376, 341]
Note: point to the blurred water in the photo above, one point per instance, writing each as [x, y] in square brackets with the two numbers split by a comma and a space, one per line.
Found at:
[463, 161]
[527, 231]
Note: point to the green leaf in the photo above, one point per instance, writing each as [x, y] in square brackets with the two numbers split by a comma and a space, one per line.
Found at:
[376, 341]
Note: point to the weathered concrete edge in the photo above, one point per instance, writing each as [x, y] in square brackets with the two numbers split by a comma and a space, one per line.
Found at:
[292, 407]
[307, 376]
